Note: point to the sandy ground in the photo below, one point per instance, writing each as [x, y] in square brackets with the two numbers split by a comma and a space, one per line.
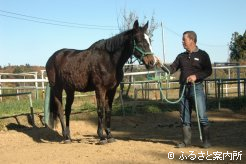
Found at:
[140, 139]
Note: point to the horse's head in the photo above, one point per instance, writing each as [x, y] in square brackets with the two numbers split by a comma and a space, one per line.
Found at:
[142, 45]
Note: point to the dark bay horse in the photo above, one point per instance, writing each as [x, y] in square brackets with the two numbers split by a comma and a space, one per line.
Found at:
[98, 68]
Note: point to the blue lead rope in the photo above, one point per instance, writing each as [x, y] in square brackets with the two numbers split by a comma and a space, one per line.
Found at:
[181, 96]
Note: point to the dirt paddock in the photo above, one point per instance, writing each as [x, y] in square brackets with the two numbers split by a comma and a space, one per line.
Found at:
[140, 139]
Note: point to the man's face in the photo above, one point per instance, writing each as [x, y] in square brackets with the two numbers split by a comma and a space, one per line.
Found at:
[187, 42]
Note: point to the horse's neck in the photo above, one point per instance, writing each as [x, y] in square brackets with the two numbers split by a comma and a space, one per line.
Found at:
[122, 56]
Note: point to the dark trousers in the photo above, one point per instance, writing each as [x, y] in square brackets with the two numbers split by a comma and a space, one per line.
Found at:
[188, 102]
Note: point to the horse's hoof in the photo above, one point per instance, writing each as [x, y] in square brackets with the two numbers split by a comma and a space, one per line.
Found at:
[110, 140]
[68, 141]
[103, 142]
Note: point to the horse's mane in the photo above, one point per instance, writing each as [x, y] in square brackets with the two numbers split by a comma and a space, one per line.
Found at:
[110, 44]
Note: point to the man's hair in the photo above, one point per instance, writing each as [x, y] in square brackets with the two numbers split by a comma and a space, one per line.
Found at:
[191, 35]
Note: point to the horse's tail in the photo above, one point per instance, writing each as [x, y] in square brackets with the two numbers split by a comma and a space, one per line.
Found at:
[53, 109]
[50, 108]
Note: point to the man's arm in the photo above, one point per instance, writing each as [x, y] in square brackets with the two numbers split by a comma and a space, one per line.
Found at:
[206, 68]
[171, 68]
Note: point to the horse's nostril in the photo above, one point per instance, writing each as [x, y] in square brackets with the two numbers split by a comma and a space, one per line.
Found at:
[151, 63]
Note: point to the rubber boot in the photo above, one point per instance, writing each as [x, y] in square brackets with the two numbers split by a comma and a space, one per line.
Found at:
[205, 136]
[186, 137]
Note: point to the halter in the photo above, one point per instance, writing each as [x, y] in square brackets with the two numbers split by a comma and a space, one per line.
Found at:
[142, 52]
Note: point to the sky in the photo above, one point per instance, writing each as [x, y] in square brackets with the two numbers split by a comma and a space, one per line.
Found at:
[31, 31]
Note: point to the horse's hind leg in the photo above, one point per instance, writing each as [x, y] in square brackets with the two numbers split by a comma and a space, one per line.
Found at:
[69, 102]
[58, 101]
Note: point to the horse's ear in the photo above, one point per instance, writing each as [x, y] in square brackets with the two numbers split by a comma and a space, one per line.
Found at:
[145, 27]
[136, 25]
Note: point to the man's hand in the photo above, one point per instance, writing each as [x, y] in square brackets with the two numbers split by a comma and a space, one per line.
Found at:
[191, 78]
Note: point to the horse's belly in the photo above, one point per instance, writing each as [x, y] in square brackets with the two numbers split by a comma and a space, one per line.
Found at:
[80, 80]
[77, 82]
[85, 88]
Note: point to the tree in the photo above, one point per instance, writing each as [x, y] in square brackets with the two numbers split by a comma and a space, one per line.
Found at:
[128, 19]
[238, 47]
[18, 69]
[126, 22]
[22, 69]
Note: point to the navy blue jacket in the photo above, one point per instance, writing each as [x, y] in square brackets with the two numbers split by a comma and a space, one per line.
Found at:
[197, 63]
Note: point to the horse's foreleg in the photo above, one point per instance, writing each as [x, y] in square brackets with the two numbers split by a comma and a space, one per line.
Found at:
[100, 125]
[69, 102]
[100, 95]
[108, 126]
[109, 101]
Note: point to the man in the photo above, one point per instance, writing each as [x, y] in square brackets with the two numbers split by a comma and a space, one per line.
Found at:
[195, 66]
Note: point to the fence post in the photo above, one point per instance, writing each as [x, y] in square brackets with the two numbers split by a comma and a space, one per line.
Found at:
[43, 88]
[135, 98]
[18, 97]
[121, 98]
[222, 87]
[238, 82]
[1, 99]
[219, 81]
[31, 108]
[160, 85]
[36, 84]
[244, 86]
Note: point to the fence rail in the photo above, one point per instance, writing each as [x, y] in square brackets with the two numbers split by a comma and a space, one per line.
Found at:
[39, 83]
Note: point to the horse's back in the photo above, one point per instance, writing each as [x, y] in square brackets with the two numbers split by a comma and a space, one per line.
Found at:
[82, 70]
[59, 62]
[72, 69]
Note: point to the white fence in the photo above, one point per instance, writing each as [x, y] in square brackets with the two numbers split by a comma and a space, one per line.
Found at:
[30, 80]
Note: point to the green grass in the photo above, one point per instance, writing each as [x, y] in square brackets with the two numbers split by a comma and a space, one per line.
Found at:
[11, 107]
[234, 103]
[152, 106]
[15, 107]
[132, 107]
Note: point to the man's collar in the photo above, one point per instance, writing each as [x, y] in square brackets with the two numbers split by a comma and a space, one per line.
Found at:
[196, 49]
